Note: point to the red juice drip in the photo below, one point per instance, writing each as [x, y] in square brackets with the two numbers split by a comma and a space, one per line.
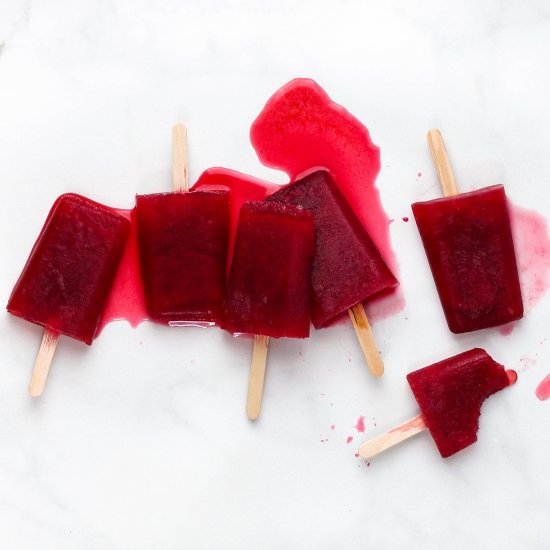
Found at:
[127, 299]
[360, 425]
[543, 389]
[532, 246]
[349, 439]
[512, 376]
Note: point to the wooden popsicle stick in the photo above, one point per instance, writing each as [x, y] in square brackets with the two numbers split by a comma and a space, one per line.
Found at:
[366, 339]
[393, 437]
[442, 164]
[180, 159]
[43, 362]
[256, 376]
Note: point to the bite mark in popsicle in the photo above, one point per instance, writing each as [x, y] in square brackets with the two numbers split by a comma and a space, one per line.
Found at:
[450, 394]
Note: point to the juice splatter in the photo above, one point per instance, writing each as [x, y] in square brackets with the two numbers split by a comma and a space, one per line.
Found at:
[532, 245]
[543, 389]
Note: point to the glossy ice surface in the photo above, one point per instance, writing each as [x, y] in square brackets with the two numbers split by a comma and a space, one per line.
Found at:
[347, 266]
[269, 283]
[71, 268]
[450, 394]
[183, 249]
[469, 245]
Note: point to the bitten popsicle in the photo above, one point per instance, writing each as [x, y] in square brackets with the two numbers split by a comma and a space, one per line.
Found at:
[450, 394]
[183, 248]
[469, 245]
[268, 293]
[68, 276]
[347, 266]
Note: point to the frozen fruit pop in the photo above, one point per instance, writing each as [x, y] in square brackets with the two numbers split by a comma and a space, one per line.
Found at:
[347, 267]
[269, 283]
[183, 248]
[469, 245]
[71, 268]
[450, 394]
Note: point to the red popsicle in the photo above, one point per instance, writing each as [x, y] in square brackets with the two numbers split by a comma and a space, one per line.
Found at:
[183, 248]
[450, 394]
[68, 275]
[269, 284]
[347, 267]
[469, 245]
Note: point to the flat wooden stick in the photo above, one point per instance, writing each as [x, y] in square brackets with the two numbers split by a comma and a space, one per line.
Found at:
[366, 339]
[180, 159]
[393, 437]
[442, 164]
[43, 362]
[256, 376]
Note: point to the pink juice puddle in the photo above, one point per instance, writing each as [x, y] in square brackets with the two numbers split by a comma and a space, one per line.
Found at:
[543, 389]
[532, 245]
[126, 300]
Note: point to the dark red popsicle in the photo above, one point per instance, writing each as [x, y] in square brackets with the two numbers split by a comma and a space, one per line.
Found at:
[71, 268]
[450, 394]
[347, 266]
[269, 285]
[468, 242]
[183, 249]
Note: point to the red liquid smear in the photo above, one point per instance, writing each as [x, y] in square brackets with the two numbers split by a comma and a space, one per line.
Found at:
[349, 439]
[512, 376]
[416, 422]
[543, 389]
[126, 300]
[360, 425]
[532, 245]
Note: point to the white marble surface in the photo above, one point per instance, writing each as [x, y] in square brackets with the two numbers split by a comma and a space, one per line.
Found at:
[141, 441]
